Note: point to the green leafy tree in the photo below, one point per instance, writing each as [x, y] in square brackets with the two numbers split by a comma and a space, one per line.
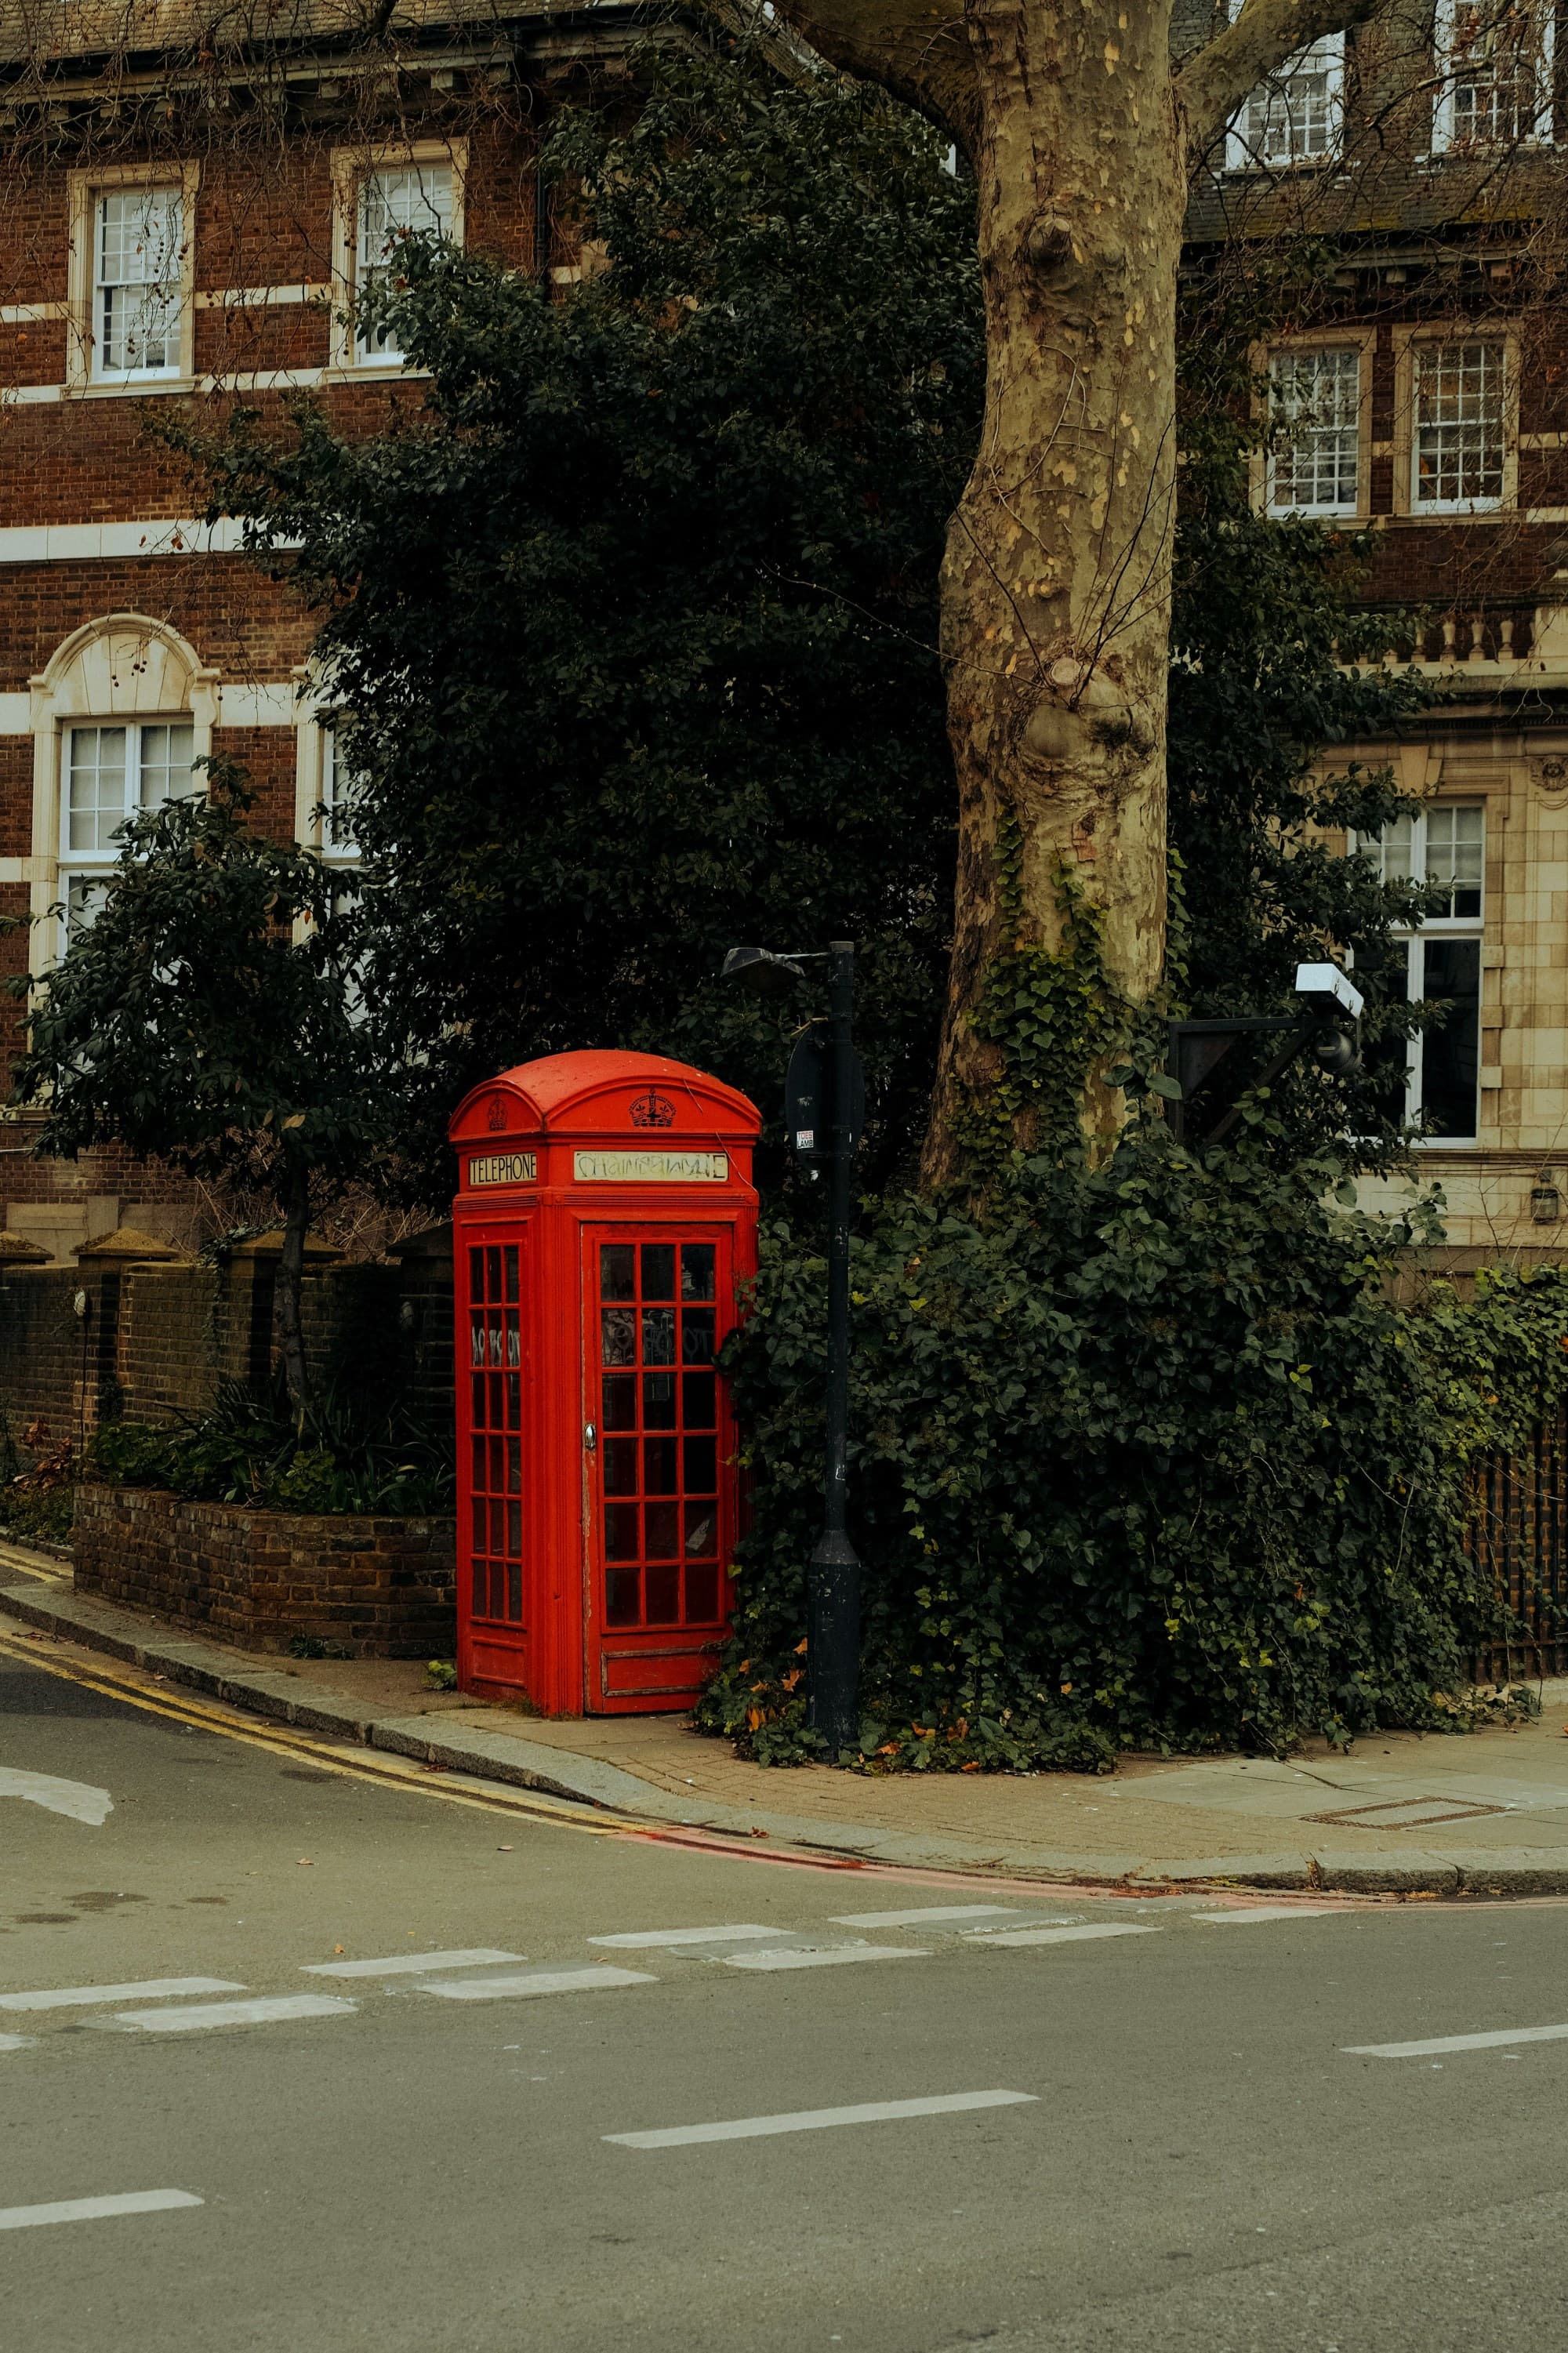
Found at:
[207, 1016]
[631, 618]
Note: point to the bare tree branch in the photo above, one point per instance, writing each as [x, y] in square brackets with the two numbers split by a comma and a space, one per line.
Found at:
[919, 50]
[1217, 78]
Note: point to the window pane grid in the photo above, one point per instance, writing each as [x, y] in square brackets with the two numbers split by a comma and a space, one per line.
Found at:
[109, 773]
[1458, 435]
[1496, 61]
[1436, 1087]
[1444, 848]
[410, 199]
[656, 1314]
[1316, 400]
[496, 1480]
[136, 276]
[95, 789]
[337, 820]
[1291, 118]
[1294, 116]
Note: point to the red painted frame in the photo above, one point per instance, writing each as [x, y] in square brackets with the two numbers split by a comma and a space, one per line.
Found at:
[551, 1155]
[663, 1664]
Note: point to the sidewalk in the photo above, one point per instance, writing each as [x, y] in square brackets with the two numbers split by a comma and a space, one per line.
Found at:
[1403, 1813]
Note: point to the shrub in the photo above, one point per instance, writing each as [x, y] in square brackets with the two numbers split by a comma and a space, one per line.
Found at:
[249, 1447]
[1145, 1456]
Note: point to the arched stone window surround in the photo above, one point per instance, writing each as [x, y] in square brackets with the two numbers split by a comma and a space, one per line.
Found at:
[123, 666]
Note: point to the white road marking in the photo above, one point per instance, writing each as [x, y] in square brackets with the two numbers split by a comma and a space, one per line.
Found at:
[871, 2112]
[149, 1990]
[399, 1964]
[261, 2011]
[17, 2041]
[824, 1956]
[1263, 1912]
[79, 1799]
[918, 1917]
[585, 1980]
[1456, 2042]
[95, 2209]
[643, 1939]
[1059, 1935]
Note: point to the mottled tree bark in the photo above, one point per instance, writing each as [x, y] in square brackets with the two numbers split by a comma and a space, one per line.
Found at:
[1055, 584]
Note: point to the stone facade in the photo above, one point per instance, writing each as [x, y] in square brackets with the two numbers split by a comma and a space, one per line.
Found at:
[1442, 239]
[372, 1588]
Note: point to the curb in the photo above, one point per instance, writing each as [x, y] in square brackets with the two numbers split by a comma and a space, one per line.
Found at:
[528, 1764]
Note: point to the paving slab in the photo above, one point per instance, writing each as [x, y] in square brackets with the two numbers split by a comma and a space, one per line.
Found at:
[1403, 1814]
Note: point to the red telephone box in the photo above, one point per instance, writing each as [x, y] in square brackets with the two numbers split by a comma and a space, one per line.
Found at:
[604, 1214]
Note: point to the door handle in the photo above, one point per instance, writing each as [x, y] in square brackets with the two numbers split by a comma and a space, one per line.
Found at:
[590, 1437]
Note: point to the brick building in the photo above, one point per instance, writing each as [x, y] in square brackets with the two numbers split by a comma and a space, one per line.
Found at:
[192, 195]
[1425, 398]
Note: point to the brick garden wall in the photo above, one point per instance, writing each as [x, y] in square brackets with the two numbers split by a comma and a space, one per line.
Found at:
[377, 1587]
[157, 1341]
[52, 1361]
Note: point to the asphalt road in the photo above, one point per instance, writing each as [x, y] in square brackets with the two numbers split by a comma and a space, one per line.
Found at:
[1196, 2155]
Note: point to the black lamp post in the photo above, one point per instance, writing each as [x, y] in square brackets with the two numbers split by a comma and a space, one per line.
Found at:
[825, 1098]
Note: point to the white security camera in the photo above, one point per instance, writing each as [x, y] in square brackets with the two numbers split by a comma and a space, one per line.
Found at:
[1328, 992]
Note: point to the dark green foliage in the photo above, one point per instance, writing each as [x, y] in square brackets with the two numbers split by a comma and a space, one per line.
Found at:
[1147, 1459]
[189, 1022]
[208, 1016]
[248, 1447]
[633, 623]
[633, 616]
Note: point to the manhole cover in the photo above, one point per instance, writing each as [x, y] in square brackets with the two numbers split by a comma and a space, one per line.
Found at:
[1405, 1814]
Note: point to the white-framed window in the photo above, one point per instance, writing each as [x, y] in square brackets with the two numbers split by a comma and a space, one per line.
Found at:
[1459, 431]
[394, 201]
[1314, 456]
[335, 823]
[108, 774]
[1494, 74]
[1296, 115]
[138, 283]
[1438, 1089]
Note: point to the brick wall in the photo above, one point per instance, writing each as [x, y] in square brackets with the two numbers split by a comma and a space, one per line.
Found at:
[378, 1588]
[157, 1341]
[53, 1364]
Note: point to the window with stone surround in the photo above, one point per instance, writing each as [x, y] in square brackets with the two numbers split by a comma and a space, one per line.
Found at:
[1437, 1089]
[1458, 435]
[131, 297]
[1493, 63]
[1314, 459]
[108, 775]
[137, 290]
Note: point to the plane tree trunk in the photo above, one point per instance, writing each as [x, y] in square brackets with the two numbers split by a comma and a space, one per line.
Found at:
[1055, 584]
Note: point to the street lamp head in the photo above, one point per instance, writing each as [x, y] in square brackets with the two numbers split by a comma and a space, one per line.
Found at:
[762, 972]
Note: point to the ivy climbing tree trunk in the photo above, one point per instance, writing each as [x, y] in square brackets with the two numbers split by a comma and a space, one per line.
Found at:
[1081, 131]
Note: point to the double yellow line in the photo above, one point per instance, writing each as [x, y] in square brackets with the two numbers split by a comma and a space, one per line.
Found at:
[385, 1772]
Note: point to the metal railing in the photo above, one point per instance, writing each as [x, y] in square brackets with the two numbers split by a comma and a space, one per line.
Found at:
[1518, 1532]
